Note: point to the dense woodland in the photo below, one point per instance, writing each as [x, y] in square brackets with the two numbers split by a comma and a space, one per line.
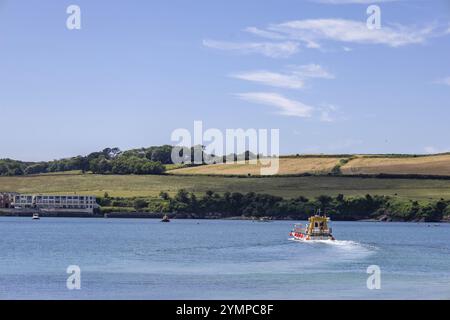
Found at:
[185, 204]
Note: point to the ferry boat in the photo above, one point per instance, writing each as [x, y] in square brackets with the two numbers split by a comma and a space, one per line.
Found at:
[36, 216]
[316, 229]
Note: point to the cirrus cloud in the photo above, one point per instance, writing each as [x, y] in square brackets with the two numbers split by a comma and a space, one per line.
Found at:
[444, 81]
[294, 78]
[312, 32]
[269, 49]
[312, 71]
[273, 79]
[349, 31]
[284, 39]
[284, 106]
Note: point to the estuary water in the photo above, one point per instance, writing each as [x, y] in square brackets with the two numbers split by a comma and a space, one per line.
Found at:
[219, 259]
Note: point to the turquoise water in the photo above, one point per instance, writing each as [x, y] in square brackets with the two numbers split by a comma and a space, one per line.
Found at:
[211, 259]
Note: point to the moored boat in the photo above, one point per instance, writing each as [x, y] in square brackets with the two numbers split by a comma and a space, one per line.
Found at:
[165, 219]
[36, 216]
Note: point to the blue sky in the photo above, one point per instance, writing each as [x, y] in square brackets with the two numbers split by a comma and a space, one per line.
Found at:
[137, 70]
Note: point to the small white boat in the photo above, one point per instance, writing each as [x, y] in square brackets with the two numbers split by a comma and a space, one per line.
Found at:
[36, 216]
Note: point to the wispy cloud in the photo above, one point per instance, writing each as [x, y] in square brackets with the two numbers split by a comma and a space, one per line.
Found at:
[445, 81]
[273, 79]
[312, 71]
[285, 39]
[350, 31]
[269, 49]
[294, 78]
[327, 113]
[264, 33]
[284, 106]
[280, 36]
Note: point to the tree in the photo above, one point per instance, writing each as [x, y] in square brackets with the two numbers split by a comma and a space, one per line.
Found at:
[324, 201]
[16, 171]
[111, 153]
[182, 196]
[104, 166]
[79, 163]
[164, 195]
[36, 168]
[162, 154]
[3, 169]
[140, 204]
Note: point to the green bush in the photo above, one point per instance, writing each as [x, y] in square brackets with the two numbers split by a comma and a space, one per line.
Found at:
[140, 204]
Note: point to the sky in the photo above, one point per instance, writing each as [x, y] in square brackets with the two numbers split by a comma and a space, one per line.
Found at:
[138, 70]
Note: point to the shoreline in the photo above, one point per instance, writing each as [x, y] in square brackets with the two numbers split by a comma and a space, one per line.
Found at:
[146, 215]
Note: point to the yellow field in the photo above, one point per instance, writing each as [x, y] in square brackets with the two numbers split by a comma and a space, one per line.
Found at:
[287, 166]
[430, 165]
[360, 164]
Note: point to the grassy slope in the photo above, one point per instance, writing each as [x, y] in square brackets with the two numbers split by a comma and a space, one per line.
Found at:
[430, 165]
[130, 186]
[359, 164]
[287, 166]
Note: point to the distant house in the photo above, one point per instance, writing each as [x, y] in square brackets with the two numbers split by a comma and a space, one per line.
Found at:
[56, 203]
[6, 199]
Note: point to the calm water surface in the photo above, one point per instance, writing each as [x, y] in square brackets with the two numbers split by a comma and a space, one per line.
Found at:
[206, 259]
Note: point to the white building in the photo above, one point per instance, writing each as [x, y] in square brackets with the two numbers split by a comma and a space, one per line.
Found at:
[56, 203]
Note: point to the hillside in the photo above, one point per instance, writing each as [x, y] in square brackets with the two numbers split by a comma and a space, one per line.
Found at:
[288, 166]
[287, 187]
[426, 165]
[435, 165]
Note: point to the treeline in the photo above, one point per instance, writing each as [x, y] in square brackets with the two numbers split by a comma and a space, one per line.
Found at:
[150, 160]
[211, 204]
[10, 167]
[113, 161]
[108, 161]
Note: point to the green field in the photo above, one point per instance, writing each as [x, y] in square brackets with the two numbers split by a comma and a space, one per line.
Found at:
[287, 187]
